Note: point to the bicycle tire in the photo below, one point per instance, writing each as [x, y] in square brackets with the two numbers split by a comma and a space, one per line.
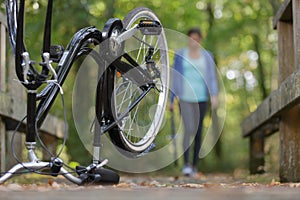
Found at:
[138, 130]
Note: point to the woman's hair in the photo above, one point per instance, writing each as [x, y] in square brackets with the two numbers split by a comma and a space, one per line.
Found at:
[194, 31]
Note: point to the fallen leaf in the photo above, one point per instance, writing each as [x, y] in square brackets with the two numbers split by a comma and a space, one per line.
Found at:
[55, 185]
[123, 185]
[294, 185]
[192, 185]
[50, 181]
[274, 183]
[154, 184]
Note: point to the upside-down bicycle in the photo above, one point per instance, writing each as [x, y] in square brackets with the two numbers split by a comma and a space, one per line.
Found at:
[128, 82]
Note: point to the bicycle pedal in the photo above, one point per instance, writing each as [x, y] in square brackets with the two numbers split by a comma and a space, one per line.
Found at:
[150, 27]
[56, 52]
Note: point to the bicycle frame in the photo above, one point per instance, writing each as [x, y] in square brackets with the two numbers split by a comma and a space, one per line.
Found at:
[76, 47]
[32, 80]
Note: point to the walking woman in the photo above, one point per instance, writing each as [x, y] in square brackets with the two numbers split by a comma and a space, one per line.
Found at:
[194, 83]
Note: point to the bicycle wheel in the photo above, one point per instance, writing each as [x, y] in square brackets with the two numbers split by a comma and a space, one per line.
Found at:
[137, 131]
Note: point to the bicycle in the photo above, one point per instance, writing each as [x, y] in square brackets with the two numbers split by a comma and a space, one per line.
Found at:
[128, 82]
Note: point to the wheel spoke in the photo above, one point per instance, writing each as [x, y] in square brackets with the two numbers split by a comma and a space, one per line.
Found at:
[139, 128]
[134, 118]
[125, 97]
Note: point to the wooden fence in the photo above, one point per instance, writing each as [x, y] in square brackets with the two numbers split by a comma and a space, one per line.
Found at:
[13, 108]
[280, 111]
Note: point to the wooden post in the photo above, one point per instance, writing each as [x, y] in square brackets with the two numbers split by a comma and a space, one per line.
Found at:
[2, 146]
[2, 89]
[289, 60]
[257, 155]
[2, 56]
[285, 51]
[14, 88]
[290, 146]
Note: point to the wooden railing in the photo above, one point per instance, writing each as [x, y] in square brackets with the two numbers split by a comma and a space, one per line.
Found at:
[280, 111]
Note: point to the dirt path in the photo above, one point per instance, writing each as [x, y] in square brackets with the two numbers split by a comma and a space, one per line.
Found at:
[142, 187]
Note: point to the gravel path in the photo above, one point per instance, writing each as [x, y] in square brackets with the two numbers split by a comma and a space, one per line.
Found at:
[145, 187]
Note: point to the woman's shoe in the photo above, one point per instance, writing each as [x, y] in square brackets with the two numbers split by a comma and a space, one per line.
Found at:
[187, 170]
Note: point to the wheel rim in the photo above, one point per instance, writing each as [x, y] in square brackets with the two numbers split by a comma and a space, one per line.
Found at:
[139, 128]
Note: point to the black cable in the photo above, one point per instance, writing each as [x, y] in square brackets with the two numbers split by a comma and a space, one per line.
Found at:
[65, 135]
[65, 129]
[64, 140]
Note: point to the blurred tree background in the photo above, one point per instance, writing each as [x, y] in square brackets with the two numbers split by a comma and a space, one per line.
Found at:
[239, 33]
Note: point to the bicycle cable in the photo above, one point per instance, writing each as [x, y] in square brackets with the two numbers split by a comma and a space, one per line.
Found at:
[65, 124]
[65, 133]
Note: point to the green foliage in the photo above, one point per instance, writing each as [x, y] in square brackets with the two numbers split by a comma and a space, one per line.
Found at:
[239, 33]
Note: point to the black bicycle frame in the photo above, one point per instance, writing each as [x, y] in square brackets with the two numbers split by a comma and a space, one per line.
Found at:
[15, 19]
[105, 85]
[77, 47]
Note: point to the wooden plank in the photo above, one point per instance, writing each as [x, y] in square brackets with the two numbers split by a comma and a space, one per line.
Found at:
[2, 57]
[15, 109]
[280, 100]
[51, 144]
[2, 146]
[3, 19]
[296, 25]
[12, 107]
[53, 126]
[284, 13]
[14, 88]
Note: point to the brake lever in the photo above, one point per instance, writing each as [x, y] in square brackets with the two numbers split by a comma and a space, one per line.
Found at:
[25, 65]
[48, 63]
[30, 75]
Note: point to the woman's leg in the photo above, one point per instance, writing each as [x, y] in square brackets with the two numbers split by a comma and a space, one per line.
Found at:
[202, 106]
[190, 118]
